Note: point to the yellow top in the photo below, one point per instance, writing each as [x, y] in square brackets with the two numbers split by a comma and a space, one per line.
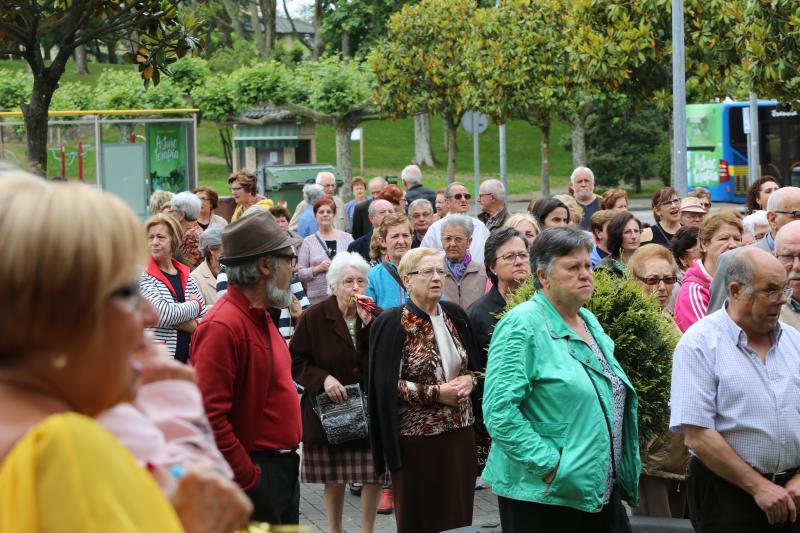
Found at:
[70, 475]
[266, 203]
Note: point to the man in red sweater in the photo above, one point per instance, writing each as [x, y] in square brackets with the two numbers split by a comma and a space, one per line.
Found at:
[244, 369]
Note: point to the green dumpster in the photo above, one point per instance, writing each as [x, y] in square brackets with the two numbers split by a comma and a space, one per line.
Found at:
[284, 183]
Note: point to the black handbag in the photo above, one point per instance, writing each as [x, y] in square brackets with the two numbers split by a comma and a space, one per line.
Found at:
[346, 421]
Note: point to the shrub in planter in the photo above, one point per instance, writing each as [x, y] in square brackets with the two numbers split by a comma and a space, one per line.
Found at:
[644, 338]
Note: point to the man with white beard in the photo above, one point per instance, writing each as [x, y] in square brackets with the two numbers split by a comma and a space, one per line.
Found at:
[244, 369]
[582, 181]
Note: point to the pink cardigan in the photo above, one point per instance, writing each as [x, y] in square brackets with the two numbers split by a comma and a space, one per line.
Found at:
[311, 254]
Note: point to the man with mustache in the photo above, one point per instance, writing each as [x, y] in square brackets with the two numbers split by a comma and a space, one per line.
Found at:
[734, 397]
[244, 368]
[787, 250]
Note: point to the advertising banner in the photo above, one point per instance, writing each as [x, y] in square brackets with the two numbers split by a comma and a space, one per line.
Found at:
[167, 159]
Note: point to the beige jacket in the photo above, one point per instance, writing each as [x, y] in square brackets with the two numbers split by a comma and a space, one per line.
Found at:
[472, 286]
[339, 220]
[207, 282]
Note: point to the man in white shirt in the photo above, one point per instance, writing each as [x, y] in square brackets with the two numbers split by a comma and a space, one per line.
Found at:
[457, 200]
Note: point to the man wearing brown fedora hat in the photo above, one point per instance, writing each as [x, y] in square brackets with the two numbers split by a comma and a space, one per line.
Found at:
[244, 368]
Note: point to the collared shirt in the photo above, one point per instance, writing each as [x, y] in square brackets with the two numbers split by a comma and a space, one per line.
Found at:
[492, 222]
[719, 383]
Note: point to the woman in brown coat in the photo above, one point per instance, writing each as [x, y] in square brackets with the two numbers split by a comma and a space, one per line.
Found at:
[330, 350]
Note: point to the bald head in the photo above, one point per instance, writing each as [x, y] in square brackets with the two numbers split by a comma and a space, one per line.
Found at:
[756, 282]
[780, 206]
[787, 250]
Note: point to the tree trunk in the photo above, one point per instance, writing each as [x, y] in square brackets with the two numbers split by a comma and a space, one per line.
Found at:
[258, 33]
[344, 152]
[450, 126]
[45, 82]
[268, 14]
[317, 48]
[346, 49]
[445, 138]
[232, 8]
[227, 145]
[545, 149]
[111, 47]
[423, 148]
[80, 60]
[579, 141]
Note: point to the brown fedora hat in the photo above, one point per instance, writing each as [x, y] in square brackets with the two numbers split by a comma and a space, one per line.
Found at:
[252, 236]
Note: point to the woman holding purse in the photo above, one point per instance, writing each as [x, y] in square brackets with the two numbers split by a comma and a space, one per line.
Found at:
[330, 350]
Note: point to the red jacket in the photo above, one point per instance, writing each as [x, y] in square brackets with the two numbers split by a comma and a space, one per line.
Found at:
[247, 389]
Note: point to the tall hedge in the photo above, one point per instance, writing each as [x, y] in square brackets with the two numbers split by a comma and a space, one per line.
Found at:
[644, 339]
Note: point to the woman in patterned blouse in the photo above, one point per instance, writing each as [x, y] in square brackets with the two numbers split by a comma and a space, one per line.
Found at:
[421, 411]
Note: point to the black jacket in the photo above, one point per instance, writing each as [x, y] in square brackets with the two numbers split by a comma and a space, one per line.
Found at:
[361, 222]
[417, 192]
[386, 341]
[482, 316]
[361, 245]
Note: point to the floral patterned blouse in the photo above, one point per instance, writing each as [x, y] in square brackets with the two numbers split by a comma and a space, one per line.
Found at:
[421, 373]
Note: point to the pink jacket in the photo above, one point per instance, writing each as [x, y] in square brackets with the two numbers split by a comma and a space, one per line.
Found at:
[166, 428]
[692, 301]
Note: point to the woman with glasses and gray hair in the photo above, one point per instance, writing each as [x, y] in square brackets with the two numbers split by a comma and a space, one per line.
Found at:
[206, 274]
[185, 207]
[465, 280]
[422, 359]
[330, 350]
[559, 408]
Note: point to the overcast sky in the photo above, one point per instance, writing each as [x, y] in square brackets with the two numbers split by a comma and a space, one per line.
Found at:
[296, 7]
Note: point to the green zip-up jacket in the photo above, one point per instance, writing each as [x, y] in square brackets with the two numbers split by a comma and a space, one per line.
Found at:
[541, 409]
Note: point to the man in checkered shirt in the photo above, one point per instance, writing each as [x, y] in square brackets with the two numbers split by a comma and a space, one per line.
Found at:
[736, 398]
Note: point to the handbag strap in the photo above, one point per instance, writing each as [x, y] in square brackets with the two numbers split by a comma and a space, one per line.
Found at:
[324, 247]
[392, 272]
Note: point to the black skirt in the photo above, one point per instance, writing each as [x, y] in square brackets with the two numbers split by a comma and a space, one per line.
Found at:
[435, 489]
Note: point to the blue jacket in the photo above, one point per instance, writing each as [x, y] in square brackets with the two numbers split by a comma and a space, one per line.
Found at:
[383, 288]
[308, 222]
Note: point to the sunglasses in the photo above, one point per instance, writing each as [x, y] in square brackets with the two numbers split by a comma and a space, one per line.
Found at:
[462, 196]
[655, 280]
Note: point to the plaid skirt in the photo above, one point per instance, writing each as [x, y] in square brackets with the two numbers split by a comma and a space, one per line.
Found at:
[325, 464]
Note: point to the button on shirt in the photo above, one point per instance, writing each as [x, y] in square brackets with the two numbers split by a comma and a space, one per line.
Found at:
[719, 383]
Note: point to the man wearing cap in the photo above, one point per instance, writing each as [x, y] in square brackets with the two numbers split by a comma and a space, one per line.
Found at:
[692, 212]
[244, 369]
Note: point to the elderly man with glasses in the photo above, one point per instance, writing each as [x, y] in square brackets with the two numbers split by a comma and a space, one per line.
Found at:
[787, 250]
[734, 397]
[457, 201]
[783, 207]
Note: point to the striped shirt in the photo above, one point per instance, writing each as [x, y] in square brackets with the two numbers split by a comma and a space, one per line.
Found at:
[285, 322]
[719, 383]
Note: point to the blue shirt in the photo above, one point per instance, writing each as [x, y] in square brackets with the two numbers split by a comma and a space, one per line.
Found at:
[719, 383]
[383, 288]
[307, 223]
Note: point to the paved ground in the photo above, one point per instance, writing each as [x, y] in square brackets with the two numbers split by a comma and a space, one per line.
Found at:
[312, 511]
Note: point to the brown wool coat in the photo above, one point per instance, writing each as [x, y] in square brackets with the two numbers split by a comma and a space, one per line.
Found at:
[322, 346]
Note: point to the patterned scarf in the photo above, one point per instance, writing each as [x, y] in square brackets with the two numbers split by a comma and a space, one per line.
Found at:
[459, 267]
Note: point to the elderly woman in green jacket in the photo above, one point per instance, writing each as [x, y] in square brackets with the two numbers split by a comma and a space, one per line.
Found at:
[559, 408]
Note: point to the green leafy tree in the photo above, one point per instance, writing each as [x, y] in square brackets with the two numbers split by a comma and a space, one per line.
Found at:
[420, 65]
[15, 89]
[73, 96]
[217, 102]
[161, 38]
[337, 92]
[262, 83]
[189, 72]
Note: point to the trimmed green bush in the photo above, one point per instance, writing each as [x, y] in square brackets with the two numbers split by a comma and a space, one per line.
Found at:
[644, 339]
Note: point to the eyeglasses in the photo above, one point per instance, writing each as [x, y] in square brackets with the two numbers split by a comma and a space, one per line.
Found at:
[449, 239]
[462, 196]
[775, 294]
[427, 272]
[510, 257]
[794, 214]
[236, 189]
[481, 195]
[788, 259]
[674, 201]
[129, 294]
[655, 280]
[349, 282]
[426, 214]
[291, 257]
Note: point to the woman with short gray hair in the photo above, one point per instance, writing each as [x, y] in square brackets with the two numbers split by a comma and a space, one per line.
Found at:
[330, 351]
[557, 401]
[465, 279]
[185, 207]
[206, 273]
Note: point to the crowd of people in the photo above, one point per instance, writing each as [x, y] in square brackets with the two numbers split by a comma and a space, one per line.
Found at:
[188, 359]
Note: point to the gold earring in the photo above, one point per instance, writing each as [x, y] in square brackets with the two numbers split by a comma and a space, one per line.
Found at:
[59, 361]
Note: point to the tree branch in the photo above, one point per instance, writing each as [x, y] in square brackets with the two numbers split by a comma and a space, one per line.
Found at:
[294, 29]
[10, 52]
[17, 35]
[308, 112]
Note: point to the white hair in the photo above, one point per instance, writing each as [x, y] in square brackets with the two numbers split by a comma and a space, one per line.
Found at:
[324, 174]
[341, 262]
[420, 202]
[496, 188]
[379, 179]
[756, 218]
[312, 192]
[187, 203]
[411, 175]
[580, 170]
[465, 221]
